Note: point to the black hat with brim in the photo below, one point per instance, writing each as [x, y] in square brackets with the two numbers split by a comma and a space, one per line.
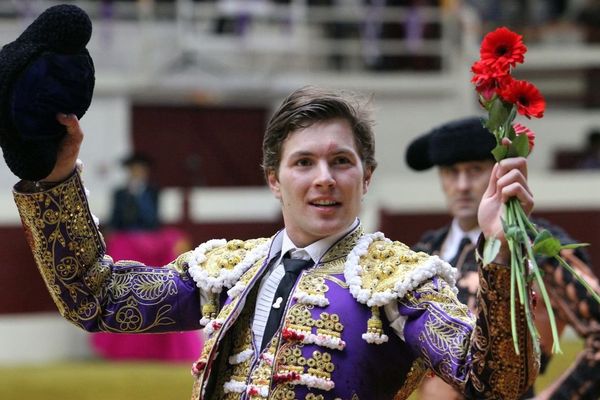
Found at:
[457, 141]
[46, 71]
[136, 159]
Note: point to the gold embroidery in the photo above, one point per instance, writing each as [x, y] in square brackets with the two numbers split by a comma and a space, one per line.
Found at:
[337, 281]
[300, 319]
[320, 364]
[224, 257]
[507, 374]
[69, 252]
[440, 333]
[374, 324]
[418, 369]
[386, 264]
[341, 249]
[334, 267]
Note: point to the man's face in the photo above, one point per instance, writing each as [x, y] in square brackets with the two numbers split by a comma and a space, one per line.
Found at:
[320, 182]
[463, 184]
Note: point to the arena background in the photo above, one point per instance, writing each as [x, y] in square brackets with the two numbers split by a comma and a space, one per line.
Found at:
[192, 83]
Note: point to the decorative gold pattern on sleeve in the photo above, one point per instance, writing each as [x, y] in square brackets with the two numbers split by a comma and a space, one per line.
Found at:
[58, 219]
[447, 338]
[508, 375]
[87, 288]
[413, 379]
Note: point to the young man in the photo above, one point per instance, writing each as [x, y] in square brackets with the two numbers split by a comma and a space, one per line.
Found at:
[321, 310]
[461, 151]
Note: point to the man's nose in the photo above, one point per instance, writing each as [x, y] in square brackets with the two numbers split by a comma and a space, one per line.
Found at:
[324, 175]
[463, 181]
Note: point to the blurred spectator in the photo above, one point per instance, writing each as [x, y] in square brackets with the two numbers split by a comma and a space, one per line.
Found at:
[590, 158]
[136, 235]
[135, 205]
[414, 29]
[236, 15]
[589, 17]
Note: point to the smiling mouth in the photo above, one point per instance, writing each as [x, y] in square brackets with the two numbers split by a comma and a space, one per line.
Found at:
[325, 203]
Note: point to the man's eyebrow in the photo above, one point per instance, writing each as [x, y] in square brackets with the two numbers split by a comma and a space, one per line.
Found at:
[301, 153]
[335, 152]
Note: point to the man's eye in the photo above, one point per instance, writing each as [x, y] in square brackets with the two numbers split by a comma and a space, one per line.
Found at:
[342, 160]
[303, 162]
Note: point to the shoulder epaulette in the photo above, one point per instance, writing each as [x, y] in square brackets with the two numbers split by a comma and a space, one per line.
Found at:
[379, 270]
[219, 264]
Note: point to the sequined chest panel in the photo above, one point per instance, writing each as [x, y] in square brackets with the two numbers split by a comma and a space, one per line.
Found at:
[323, 352]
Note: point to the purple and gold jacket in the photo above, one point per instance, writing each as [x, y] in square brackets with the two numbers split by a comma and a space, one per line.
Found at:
[334, 341]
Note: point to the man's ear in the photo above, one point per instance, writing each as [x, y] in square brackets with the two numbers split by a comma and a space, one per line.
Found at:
[367, 179]
[274, 183]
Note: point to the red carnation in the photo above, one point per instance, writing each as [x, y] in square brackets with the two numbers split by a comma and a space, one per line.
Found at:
[523, 130]
[503, 47]
[489, 78]
[290, 335]
[526, 96]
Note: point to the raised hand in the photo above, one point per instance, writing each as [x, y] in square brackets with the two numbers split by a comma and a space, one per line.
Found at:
[508, 179]
[68, 150]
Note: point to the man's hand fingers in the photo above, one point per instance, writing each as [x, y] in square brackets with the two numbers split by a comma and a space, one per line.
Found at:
[71, 122]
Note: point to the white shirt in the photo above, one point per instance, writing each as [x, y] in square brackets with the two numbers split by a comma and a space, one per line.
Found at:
[452, 241]
[269, 283]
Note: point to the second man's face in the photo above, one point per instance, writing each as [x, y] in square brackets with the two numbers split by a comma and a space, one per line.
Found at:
[320, 182]
[464, 184]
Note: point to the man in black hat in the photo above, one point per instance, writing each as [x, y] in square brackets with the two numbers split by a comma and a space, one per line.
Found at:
[461, 151]
[135, 205]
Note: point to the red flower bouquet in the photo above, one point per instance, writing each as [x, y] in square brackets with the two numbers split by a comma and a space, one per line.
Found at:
[504, 97]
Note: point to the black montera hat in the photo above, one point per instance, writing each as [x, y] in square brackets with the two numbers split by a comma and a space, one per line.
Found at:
[462, 140]
[136, 158]
[46, 71]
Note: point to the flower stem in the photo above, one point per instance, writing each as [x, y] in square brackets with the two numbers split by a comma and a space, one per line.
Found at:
[522, 221]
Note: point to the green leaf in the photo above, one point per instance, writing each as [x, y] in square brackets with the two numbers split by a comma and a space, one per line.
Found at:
[574, 245]
[511, 134]
[498, 113]
[545, 243]
[499, 152]
[490, 250]
[513, 232]
[519, 146]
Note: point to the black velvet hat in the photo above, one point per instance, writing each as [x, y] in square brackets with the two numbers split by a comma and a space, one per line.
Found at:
[46, 71]
[136, 159]
[462, 140]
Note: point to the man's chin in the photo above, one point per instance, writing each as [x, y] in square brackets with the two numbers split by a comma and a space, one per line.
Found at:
[465, 213]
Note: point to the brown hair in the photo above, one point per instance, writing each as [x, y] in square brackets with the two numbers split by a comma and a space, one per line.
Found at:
[310, 105]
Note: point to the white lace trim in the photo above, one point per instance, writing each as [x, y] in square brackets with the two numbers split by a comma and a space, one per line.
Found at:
[241, 357]
[226, 277]
[315, 382]
[213, 325]
[311, 299]
[261, 390]
[234, 386]
[434, 266]
[328, 341]
[375, 338]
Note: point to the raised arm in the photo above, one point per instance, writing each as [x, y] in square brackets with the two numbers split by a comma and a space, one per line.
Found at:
[88, 288]
[476, 354]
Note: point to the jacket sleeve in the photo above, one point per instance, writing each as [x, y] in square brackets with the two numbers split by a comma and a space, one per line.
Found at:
[475, 355]
[88, 288]
[576, 307]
